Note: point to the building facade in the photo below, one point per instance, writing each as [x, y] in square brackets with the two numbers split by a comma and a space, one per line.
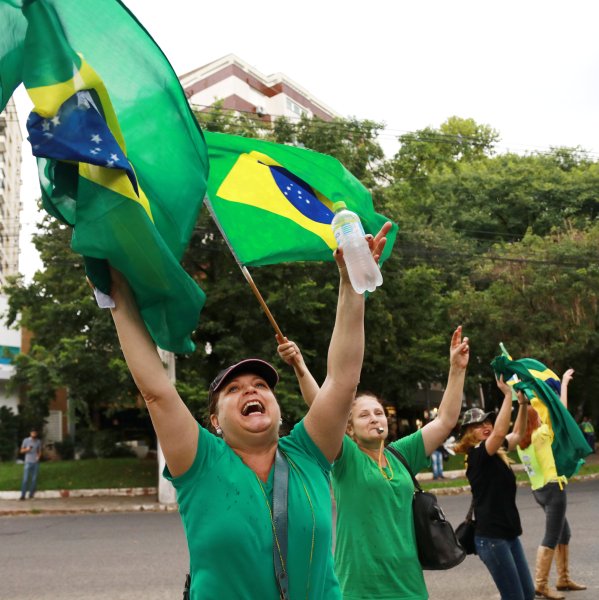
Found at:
[10, 188]
[10, 346]
[243, 88]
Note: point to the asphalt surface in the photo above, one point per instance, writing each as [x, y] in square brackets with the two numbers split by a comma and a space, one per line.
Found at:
[143, 555]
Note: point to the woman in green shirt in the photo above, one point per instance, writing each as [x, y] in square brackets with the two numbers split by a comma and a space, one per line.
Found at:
[375, 552]
[225, 482]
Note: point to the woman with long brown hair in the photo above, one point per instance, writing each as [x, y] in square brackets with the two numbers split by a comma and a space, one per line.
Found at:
[493, 485]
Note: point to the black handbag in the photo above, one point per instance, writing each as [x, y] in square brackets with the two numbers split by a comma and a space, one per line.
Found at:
[465, 531]
[438, 547]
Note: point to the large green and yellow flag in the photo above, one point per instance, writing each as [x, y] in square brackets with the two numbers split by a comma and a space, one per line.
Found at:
[274, 202]
[543, 387]
[121, 158]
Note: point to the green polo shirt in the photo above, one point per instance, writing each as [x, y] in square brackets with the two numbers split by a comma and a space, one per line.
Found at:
[375, 552]
[228, 527]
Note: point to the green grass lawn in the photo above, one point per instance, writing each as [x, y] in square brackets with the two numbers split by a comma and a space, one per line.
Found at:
[85, 474]
[461, 481]
[133, 472]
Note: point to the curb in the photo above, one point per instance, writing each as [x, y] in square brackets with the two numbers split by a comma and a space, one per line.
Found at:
[147, 507]
[462, 489]
[89, 493]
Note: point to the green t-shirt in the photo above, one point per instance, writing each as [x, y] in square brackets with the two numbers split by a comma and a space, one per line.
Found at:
[228, 527]
[375, 551]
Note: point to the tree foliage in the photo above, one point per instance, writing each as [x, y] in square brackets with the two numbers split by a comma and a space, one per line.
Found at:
[504, 244]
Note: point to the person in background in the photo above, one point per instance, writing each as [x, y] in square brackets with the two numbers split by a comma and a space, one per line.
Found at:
[548, 488]
[32, 449]
[437, 463]
[589, 432]
[493, 486]
[376, 556]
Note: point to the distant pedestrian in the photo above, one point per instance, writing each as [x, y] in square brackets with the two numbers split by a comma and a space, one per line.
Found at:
[589, 432]
[437, 463]
[32, 449]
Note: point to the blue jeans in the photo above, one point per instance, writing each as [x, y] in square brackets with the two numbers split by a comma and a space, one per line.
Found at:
[507, 564]
[437, 464]
[30, 474]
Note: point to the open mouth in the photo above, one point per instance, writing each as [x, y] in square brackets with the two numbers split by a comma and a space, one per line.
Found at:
[252, 407]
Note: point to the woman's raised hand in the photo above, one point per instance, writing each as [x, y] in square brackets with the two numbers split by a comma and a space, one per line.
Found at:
[459, 350]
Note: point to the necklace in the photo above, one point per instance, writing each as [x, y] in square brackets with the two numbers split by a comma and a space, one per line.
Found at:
[380, 464]
[272, 521]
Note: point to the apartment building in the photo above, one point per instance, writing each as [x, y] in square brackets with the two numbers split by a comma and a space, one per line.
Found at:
[243, 88]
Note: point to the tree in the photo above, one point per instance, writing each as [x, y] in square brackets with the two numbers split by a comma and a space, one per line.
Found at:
[74, 345]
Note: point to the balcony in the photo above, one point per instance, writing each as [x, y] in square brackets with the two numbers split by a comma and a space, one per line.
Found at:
[2, 143]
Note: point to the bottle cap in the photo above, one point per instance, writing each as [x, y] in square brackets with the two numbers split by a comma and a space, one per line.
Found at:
[339, 205]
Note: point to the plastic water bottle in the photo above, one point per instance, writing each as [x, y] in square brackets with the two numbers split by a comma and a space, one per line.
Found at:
[364, 273]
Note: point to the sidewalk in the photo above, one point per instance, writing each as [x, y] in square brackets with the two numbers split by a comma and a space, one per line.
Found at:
[83, 501]
[146, 499]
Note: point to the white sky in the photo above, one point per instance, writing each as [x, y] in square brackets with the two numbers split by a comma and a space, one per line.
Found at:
[528, 68]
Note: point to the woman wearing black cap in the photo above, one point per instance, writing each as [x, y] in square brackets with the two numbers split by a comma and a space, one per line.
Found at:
[237, 547]
[493, 485]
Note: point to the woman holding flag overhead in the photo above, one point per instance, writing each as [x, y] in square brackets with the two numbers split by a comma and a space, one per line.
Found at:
[243, 492]
[373, 489]
[548, 488]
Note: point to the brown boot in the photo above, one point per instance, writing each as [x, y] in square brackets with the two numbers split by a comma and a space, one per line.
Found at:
[542, 589]
[562, 555]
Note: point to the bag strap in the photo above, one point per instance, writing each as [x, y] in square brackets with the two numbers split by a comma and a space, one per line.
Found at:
[279, 517]
[470, 511]
[404, 462]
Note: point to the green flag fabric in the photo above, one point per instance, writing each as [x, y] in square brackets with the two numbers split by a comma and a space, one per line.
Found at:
[274, 202]
[120, 155]
[542, 385]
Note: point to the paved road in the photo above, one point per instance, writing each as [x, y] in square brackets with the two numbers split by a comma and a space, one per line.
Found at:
[143, 555]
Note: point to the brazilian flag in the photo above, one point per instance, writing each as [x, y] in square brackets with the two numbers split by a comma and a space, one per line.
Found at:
[542, 385]
[120, 156]
[274, 203]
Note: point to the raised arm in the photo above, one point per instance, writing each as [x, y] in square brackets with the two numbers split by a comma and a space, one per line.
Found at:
[502, 422]
[519, 430]
[175, 426]
[326, 420]
[438, 430]
[566, 378]
[290, 353]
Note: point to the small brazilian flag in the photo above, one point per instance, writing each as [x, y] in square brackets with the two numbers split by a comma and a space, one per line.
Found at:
[121, 158]
[274, 202]
[543, 386]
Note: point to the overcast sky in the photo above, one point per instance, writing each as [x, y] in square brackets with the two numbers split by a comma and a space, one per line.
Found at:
[528, 68]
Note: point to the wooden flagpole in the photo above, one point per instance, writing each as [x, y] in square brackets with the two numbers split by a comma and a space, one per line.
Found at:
[263, 304]
[246, 274]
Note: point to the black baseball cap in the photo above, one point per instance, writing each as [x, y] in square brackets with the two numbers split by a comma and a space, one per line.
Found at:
[256, 366]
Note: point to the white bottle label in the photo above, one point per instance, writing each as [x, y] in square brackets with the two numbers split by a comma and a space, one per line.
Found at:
[346, 226]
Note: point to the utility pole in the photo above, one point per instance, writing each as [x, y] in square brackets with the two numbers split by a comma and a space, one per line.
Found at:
[166, 491]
